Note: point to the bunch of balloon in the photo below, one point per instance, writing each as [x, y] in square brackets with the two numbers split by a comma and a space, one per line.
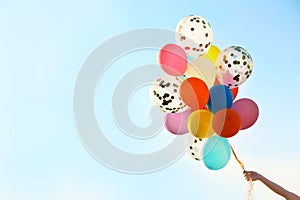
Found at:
[199, 88]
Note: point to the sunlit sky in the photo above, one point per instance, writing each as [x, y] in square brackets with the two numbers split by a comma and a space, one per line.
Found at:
[42, 47]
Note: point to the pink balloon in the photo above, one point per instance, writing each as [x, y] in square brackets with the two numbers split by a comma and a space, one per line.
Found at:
[248, 111]
[173, 60]
[176, 123]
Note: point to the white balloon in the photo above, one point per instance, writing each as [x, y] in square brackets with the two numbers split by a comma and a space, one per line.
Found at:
[165, 93]
[194, 35]
[195, 149]
[234, 66]
[203, 69]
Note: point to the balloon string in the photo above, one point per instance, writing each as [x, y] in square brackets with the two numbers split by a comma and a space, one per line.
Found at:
[250, 186]
[240, 163]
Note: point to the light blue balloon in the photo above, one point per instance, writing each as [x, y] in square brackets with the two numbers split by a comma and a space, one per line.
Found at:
[216, 152]
[190, 58]
[183, 77]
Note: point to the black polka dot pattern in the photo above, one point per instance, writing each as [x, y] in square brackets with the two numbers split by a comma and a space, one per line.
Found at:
[165, 94]
[195, 149]
[234, 65]
[195, 35]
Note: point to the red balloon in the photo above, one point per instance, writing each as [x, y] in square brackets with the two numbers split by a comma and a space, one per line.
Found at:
[194, 92]
[226, 123]
[203, 108]
[234, 92]
[248, 111]
[173, 60]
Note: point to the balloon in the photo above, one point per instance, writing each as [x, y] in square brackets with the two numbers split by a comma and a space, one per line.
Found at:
[195, 150]
[203, 69]
[203, 108]
[248, 111]
[194, 92]
[234, 65]
[194, 35]
[212, 53]
[234, 92]
[216, 153]
[182, 77]
[217, 82]
[226, 123]
[190, 59]
[220, 97]
[199, 124]
[164, 92]
[176, 123]
[173, 59]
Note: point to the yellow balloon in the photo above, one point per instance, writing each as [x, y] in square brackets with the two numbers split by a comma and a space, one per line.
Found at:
[213, 53]
[203, 69]
[199, 124]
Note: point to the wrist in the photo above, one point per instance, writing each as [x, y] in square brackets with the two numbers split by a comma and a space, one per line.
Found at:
[259, 177]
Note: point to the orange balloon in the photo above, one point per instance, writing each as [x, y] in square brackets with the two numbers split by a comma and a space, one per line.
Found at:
[194, 92]
[227, 123]
[234, 92]
[217, 82]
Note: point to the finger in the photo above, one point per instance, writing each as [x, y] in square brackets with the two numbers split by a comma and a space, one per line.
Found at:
[248, 177]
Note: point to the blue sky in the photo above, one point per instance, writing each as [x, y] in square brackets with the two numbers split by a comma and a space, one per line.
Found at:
[42, 47]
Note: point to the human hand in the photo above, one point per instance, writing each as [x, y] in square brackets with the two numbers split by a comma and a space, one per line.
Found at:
[251, 175]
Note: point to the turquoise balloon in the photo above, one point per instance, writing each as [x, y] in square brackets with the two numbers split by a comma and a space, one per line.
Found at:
[190, 58]
[183, 77]
[216, 152]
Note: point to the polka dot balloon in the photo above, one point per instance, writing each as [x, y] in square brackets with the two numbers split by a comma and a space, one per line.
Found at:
[196, 148]
[234, 65]
[164, 92]
[194, 35]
